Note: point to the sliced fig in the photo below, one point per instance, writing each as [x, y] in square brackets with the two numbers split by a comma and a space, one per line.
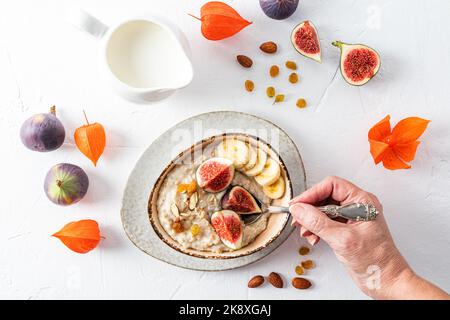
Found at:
[359, 63]
[228, 227]
[215, 174]
[240, 201]
[305, 40]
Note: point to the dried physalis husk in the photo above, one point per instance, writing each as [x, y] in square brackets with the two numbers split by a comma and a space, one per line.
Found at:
[278, 98]
[308, 264]
[291, 65]
[303, 251]
[299, 270]
[274, 71]
[293, 77]
[249, 85]
[270, 91]
[301, 103]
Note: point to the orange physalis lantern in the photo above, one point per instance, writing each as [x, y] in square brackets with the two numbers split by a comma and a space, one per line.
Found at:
[90, 140]
[80, 236]
[220, 21]
[397, 146]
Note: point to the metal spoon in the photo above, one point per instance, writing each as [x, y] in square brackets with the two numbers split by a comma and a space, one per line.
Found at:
[352, 211]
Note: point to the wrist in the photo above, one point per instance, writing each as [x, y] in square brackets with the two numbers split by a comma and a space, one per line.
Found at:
[410, 286]
[392, 274]
[400, 284]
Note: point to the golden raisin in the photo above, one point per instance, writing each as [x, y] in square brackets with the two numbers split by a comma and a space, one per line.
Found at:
[304, 251]
[274, 71]
[308, 264]
[278, 98]
[301, 103]
[189, 188]
[293, 77]
[291, 65]
[299, 270]
[270, 91]
[177, 226]
[249, 85]
[195, 230]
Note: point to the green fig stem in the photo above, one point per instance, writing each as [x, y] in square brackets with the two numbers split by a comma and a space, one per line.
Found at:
[53, 110]
[194, 17]
[85, 117]
[338, 44]
[59, 183]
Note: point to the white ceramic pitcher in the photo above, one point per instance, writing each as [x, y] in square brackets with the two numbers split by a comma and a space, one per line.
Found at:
[144, 58]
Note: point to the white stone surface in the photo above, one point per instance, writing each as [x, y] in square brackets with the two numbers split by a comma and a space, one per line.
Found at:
[45, 61]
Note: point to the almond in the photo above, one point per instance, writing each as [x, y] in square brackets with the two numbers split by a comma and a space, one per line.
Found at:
[301, 283]
[269, 47]
[275, 280]
[193, 201]
[256, 281]
[174, 209]
[244, 61]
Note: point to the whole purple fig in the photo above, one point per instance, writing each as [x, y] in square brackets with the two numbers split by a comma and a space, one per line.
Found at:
[278, 9]
[66, 184]
[43, 132]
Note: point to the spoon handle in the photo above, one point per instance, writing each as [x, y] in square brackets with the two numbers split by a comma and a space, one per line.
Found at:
[352, 211]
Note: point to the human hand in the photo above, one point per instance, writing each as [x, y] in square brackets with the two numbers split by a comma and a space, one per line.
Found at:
[365, 248]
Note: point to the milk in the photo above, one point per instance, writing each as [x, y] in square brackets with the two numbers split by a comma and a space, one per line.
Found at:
[143, 54]
[143, 57]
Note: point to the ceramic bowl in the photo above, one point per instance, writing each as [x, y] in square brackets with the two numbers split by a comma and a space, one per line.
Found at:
[276, 222]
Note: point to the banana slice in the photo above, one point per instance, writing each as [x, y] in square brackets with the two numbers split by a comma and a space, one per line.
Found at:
[260, 162]
[234, 150]
[276, 189]
[252, 158]
[270, 174]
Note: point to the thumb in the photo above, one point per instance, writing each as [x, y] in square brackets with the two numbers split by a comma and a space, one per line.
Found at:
[315, 221]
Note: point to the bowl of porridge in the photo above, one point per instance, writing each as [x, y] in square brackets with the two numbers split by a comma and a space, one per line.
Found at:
[205, 201]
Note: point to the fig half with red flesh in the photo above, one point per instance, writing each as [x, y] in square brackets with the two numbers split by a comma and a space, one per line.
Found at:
[240, 201]
[305, 40]
[228, 227]
[359, 63]
[215, 174]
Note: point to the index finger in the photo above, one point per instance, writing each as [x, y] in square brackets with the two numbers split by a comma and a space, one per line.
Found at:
[336, 188]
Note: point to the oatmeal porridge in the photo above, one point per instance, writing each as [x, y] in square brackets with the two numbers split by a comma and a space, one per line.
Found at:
[191, 193]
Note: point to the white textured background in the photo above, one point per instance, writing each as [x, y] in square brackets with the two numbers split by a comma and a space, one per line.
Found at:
[45, 61]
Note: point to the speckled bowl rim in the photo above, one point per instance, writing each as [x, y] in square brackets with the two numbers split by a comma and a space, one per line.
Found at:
[178, 259]
[197, 253]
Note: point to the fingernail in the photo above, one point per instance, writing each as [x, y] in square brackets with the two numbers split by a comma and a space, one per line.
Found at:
[312, 240]
[296, 209]
[315, 241]
[305, 232]
[302, 232]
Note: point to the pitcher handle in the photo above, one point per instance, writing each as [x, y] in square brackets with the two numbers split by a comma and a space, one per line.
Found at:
[88, 23]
